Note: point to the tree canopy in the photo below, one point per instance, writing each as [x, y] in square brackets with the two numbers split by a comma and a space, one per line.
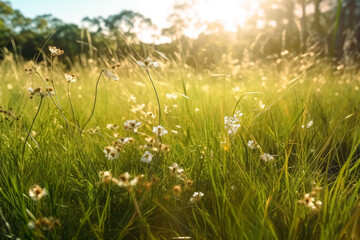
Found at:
[282, 28]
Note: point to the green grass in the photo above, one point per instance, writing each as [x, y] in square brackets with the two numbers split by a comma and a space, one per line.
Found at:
[244, 196]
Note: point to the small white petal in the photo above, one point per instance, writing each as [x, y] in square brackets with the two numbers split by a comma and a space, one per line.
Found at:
[111, 75]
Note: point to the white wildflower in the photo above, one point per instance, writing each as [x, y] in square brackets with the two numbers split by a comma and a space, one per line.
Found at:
[124, 180]
[36, 192]
[252, 145]
[311, 202]
[171, 96]
[159, 130]
[70, 77]
[111, 153]
[35, 91]
[148, 63]
[55, 51]
[132, 98]
[111, 74]
[196, 197]
[111, 126]
[175, 169]
[132, 125]
[261, 105]
[147, 157]
[138, 108]
[267, 157]
[49, 91]
[119, 143]
[232, 124]
[105, 176]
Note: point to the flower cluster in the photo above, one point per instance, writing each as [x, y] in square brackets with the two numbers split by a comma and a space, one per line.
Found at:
[113, 151]
[55, 51]
[32, 69]
[137, 108]
[93, 130]
[105, 176]
[36, 192]
[169, 109]
[70, 77]
[147, 157]
[8, 114]
[308, 125]
[175, 169]
[44, 224]
[267, 157]
[132, 125]
[112, 126]
[252, 145]
[111, 74]
[177, 190]
[311, 200]
[115, 66]
[153, 145]
[196, 197]
[171, 96]
[232, 124]
[124, 180]
[39, 92]
[148, 63]
[159, 131]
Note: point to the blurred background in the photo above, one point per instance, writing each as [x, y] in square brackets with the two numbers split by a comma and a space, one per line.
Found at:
[205, 31]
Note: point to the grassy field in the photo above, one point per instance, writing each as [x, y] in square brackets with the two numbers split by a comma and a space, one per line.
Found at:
[285, 167]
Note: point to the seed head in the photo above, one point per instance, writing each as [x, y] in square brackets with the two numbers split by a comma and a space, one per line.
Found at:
[36, 192]
[55, 51]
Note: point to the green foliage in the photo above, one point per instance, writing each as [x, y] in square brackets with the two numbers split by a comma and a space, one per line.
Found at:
[244, 197]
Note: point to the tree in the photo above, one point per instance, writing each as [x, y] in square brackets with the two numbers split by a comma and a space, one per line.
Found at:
[179, 20]
[127, 23]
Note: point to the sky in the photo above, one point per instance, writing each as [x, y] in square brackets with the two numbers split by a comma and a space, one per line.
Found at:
[228, 12]
[73, 11]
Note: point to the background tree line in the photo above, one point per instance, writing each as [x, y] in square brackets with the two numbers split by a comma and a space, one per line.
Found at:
[285, 25]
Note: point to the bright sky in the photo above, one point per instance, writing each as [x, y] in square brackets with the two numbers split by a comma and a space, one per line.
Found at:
[72, 11]
[228, 12]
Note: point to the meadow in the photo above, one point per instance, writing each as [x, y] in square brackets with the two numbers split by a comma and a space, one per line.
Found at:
[251, 149]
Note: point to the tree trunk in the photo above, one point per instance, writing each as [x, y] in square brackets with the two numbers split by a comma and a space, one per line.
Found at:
[303, 16]
[317, 26]
[351, 7]
[303, 23]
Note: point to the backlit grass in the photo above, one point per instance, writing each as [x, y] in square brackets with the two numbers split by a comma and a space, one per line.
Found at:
[244, 195]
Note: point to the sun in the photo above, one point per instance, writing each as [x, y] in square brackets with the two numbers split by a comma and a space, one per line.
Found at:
[230, 13]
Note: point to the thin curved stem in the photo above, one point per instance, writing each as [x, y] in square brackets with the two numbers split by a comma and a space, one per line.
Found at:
[242, 95]
[59, 108]
[46, 88]
[237, 103]
[52, 79]
[32, 124]
[57, 98]
[71, 106]
[157, 97]
[93, 110]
